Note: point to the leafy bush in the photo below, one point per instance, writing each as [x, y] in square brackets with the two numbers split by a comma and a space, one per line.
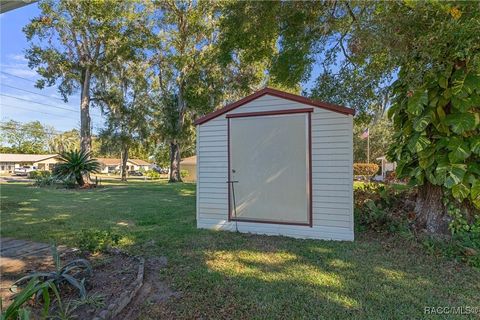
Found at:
[152, 174]
[42, 178]
[366, 170]
[35, 174]
[465, 240]
[183, 173]
[97, 240]
[65, 274]
[381, 208]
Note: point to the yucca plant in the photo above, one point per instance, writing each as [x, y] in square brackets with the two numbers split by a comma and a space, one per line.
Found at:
[75, 165]
[66, 274]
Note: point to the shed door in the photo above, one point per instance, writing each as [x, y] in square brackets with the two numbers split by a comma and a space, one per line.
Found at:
[269, 157]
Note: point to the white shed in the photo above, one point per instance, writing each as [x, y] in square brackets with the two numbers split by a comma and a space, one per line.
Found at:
[279, 164]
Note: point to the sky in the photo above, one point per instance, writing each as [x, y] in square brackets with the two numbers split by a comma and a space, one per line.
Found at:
[19, 99]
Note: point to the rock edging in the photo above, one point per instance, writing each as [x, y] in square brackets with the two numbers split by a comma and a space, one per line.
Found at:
[125, 298]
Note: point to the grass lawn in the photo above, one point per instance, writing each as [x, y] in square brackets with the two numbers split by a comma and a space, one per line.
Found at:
[229, 275]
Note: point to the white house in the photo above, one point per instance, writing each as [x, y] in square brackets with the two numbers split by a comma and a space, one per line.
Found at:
[10, 161]
[111, 165]
[279, 164]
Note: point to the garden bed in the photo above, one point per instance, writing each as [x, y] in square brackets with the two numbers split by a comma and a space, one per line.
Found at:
[115, 277]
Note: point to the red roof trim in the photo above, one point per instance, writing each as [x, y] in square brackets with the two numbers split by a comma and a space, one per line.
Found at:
[276, 93]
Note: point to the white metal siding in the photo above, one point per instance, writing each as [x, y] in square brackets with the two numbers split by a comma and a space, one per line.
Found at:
[332, 174]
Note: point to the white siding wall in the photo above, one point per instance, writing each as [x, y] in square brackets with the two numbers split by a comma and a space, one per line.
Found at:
[332, 174]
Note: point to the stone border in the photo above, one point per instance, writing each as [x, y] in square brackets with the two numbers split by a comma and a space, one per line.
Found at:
[125, 298]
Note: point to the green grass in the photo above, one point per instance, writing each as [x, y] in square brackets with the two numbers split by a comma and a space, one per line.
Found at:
[229, 275]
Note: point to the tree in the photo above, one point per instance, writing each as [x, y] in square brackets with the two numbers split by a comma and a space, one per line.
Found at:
[30, 137]
[124, 99]
[436, 107]
[72, 42]
[66, 141]
[191, 79]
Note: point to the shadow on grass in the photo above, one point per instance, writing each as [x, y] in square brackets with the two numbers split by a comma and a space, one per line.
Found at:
[230, 275]
[247, 276]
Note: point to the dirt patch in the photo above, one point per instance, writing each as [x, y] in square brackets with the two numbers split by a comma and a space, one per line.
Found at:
[153, 291]
[112, 275]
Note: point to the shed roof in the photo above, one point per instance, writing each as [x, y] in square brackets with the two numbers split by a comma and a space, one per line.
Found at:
[276, 93]
[15, 157]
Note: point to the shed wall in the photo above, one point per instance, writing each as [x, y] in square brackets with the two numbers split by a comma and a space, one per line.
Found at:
[332, 174]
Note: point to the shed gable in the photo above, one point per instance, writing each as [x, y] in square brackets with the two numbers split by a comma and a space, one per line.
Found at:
[279, 94]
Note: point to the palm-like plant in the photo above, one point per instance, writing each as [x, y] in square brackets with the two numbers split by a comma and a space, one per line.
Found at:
[75, 165]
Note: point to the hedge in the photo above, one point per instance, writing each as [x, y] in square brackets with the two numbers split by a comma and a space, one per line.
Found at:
[365, 169]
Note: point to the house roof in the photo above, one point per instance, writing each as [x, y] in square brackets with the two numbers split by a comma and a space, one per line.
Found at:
[139, 162]
[13, 157]
[109, 161]
[117, 162]
[7, 5]
[189, 160]
[276, 93]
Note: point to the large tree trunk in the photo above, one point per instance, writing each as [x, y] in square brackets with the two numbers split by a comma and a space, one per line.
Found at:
[431, 214]
[85, 121]
[175, 162]
[124, 157]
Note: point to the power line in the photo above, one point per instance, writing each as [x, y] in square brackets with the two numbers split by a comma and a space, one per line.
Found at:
[40, 94]
[43, 95]
[13, 75]
[46, 104]
[43, 104]
[33, 110]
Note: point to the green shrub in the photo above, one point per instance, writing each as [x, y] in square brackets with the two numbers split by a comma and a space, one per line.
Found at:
[37, 173]
[42, 178]
[381, 208]
[97, 240]
[465, 242]
[183, 173]
[152, 174]
[366, 170]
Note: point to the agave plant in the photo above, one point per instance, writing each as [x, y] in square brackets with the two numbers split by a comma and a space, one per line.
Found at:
[66, 274]
[75, 165]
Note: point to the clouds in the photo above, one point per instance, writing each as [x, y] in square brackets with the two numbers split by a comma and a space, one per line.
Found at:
[17, 65]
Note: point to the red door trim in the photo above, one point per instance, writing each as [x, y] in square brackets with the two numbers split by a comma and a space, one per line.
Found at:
[309, 138]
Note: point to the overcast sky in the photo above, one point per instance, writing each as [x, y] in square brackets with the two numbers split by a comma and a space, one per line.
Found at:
[19, 99]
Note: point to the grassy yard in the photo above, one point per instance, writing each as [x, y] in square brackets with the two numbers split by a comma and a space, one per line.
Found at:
[229, 275]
